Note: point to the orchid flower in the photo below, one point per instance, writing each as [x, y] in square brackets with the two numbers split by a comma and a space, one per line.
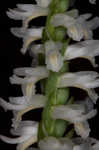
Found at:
[27, 132]
[87, 49]
[28, 35]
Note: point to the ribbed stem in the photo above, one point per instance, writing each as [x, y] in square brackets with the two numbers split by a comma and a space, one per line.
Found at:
[48, 126]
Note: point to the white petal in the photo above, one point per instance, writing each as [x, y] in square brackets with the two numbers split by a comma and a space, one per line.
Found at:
[28, 89]
[18, 100]
[29, 71]
[92, 1]
[53, 143]
[36, 101]
[26, 144]
[62, 20]
[84, 17]
[13, 15]
[82, 129]
[28, 35]
[9, 106]
[54, 60]
[72, 113]
[75, 32]
[26, 128]
[43, 3]
[14, 140]
[84, 80]
[84, 50]
[27, 12]
[17, 80]
[74, 51]
[93, 95]
[87, 103]
[49, 143]
[93, 23]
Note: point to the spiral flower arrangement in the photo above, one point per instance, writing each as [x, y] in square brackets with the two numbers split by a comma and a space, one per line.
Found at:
[50, 68]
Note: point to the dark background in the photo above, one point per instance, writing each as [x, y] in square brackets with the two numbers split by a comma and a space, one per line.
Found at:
[10, 57]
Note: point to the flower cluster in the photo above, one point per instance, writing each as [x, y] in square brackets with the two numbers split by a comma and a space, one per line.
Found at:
[78, 28]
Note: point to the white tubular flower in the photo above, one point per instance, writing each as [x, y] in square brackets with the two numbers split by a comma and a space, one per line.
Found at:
[53, 143]
[54, 60]
[73, 113]
[86, 80]
[92, 1]
[27, 131]
[76, 114]
[36, 73]
[39, 71]
[23, 103]
[43, 3]
[87, 49]
[77, 28]
[29, 35]
[36, 101]
[27, 12]
[29, 77]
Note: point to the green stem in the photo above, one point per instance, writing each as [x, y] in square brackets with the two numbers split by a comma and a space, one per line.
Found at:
[48, 126]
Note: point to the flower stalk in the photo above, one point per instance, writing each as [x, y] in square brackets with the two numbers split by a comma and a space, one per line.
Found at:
[49, 126]
[50, 68]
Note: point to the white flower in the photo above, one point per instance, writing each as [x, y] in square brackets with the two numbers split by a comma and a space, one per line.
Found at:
[77, 28]
[52, 143]
[87, 49]
[76, 114]
[73, 113]
[32, 75]
[27, 12]
[27, 132]
[29, 35]
[54, 60]
[92, 1]
[86, 80]
[43, 3]
[21, 105]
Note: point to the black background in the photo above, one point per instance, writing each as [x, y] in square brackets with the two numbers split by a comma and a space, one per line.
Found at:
[10, 57]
